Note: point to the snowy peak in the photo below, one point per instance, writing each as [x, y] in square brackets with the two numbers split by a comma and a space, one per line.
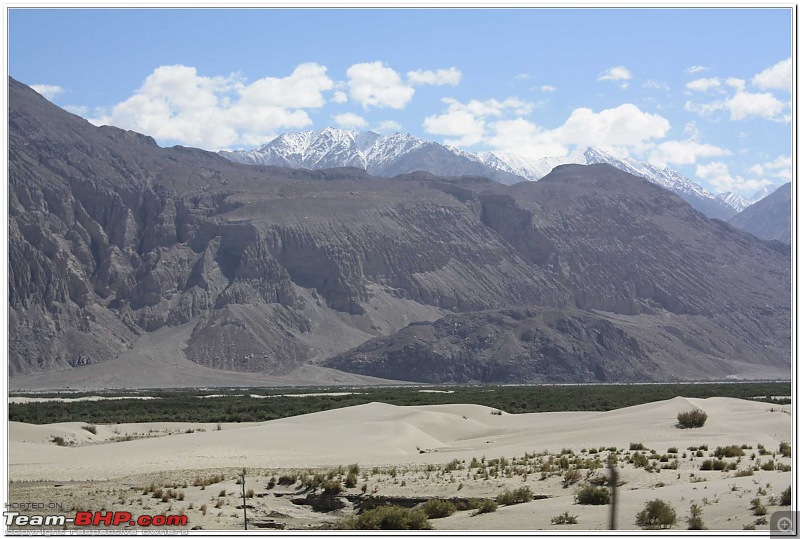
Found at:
[399, 153]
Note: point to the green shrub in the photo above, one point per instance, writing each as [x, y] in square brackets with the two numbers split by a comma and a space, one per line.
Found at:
[692, 419]
[786, 496]
[438, 508]
[564, 518]
[768, 466]
[757, 507]
[785, 449]
[351, 480]
[510, 497]
[386, 517]
[695, 520]
[592, 495]
[90, 428]
[729, 451]
[657, 514]
[59, 440]
[485, 506]
[637, 447]
[571, 477]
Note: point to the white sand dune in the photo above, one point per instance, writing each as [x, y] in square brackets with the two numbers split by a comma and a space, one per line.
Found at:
[378, 433]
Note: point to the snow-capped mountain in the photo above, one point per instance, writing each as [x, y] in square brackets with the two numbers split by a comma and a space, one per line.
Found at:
[397, 153]
[763, 192]
[382, 155]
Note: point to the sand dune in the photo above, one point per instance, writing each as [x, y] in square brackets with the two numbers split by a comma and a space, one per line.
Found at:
[379, 433]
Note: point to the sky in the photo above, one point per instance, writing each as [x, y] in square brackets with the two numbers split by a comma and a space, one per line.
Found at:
[706, 92]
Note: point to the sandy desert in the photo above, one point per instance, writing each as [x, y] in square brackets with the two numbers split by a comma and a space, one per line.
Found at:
[408, 454]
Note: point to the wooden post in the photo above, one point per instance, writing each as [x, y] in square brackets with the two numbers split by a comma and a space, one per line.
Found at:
[612, 525]
[244, 501]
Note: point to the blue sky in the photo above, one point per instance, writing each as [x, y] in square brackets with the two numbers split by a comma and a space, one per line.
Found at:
[703, 91]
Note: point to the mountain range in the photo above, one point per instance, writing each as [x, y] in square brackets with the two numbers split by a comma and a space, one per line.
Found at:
[133, 265]
[392, 154]
[770, 218]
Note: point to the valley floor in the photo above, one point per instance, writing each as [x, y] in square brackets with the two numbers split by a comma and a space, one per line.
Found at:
[445, 451]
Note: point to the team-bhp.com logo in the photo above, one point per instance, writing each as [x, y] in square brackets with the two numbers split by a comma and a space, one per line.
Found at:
[97, 518]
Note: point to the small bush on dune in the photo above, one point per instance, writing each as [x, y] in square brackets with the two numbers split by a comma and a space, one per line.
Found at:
[695, 521]
[90, 428]
[485, 506]
[692, 419]
[729, 451]
[785, 449]
[564, 518]
[386, 517]
[438, 508]
[520, 495]
[657, 514]
[786, 496]
[592, 495]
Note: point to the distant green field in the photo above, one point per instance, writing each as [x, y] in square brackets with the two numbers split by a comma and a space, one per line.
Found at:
[237, 405]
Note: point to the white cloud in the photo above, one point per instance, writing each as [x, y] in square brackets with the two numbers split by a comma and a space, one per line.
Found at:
[616, 73]
[685, 152]
[691, 130]
[440, 77]
[339, 97]
[722, 180]
[780, 168]
[695, 69]
[468, 120]
[348, 120]
[522, 76]
[548, 88]
[388, 126]
[656, 85]
[176, 104]
[48, 91]
[777, 77]
[525, 138]
[703, 85]
[735, 83]
[623, 128]
[374, 84]
[744, 105]
[78, 110]
[456, 123]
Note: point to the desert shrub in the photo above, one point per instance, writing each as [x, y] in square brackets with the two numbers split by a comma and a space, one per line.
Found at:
[59, 440]
[785, 449]
[510, 497]
[222, 493]
[784, 467]
[714, 464]
[354, 469]
[768, 466]
[438, 508]
[592, 495]
[636, 447]
[158, 493]
[571, 477]
[786, 496]
[729, 451]
[271, 483]
[640, 460]
[204, 509]
[90, 428]
[744, 473]
[386, 517]
[485, 506]
[758, 507]
[692, 419]
[657, 514]
[453, 465]
[287, 480]
[351, 480]
[564, 518]
[250, 493]
[219, 504]
[331, 487]
[695, 520]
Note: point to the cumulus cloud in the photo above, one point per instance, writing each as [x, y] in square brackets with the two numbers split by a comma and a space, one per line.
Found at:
[616, 73]
[745, 104]
[703, 85]
[777, 77]
[624, 128]
[388, 126]
[695, 69]
[348, 120]
[467, 121]
[339, 97]
[440, 77]
[176, 104]
[462, 124]
[523, 137]
[374, 84]
[780, 168]
[720, 178]
[737, 84]
[685, 152]
[48, 91]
